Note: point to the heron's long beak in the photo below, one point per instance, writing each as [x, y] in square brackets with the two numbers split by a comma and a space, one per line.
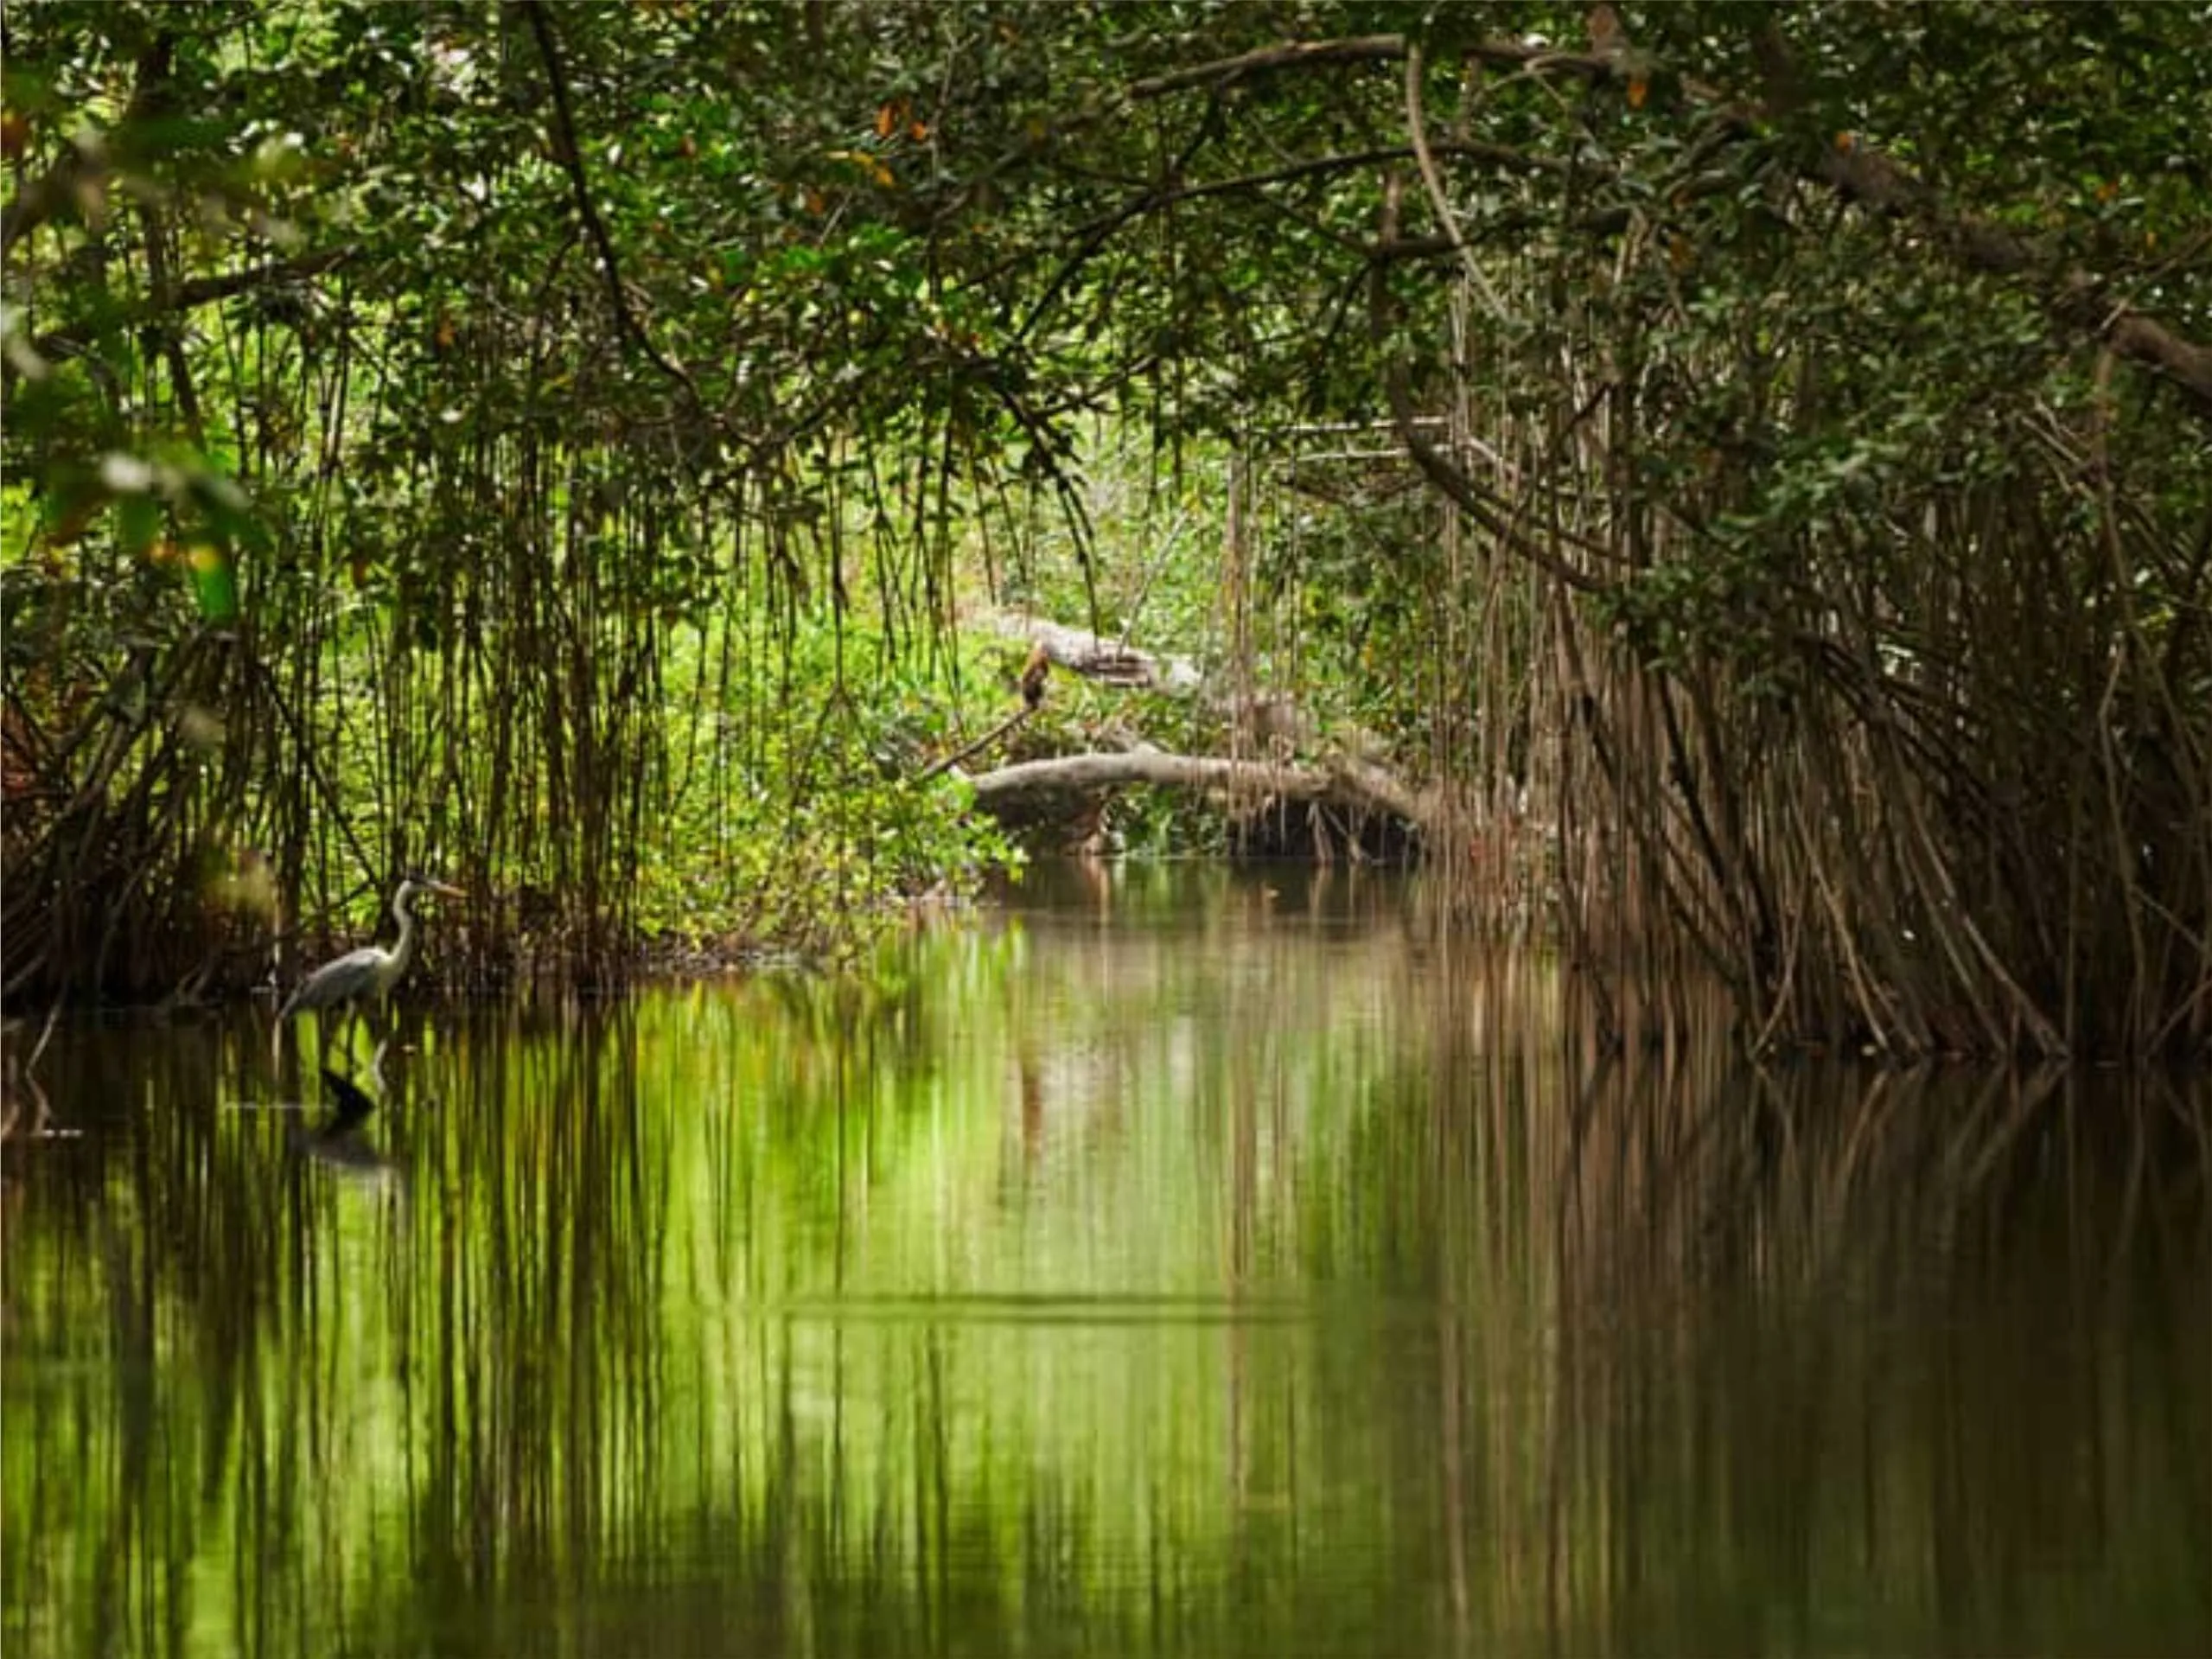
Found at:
[445, 890]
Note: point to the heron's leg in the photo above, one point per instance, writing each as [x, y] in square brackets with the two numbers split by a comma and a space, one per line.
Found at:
[333, 1041]
[380, 1023]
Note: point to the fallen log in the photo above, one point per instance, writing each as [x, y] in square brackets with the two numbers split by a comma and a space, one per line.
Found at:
[1351, 781]
[1088, 772]
[1358, 787]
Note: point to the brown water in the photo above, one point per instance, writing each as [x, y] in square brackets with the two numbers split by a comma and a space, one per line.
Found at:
[1173, 1263]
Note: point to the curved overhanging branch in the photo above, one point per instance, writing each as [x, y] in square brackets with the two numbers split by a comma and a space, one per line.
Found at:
[1863, 174]
[2075, 299]
[571, 159]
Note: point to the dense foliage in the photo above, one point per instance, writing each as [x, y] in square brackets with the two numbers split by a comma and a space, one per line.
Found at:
[535, 436]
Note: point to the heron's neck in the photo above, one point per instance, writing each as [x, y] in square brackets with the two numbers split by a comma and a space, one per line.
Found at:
[401, 909]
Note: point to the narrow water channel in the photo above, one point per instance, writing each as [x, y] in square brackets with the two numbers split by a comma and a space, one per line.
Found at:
[1171, 1262]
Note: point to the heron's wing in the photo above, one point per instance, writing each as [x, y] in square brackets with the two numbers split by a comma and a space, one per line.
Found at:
[337, 979]
[365, 960]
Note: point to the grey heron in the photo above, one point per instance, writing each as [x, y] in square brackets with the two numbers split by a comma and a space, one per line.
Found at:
[367, 974]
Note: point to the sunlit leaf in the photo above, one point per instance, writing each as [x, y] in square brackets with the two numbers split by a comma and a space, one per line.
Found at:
[213, 583]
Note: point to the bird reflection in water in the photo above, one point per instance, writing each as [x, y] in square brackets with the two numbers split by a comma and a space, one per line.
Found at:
[337, 1140]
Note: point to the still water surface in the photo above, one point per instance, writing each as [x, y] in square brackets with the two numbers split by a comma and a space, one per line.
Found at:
[1174, 1262]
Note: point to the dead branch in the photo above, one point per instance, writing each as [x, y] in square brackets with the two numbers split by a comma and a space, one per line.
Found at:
[1111, 662]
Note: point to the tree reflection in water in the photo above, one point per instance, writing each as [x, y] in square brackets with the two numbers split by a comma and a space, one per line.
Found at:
[1187, 1264]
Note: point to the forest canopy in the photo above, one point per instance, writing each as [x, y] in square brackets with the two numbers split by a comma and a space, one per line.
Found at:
[1743, 468]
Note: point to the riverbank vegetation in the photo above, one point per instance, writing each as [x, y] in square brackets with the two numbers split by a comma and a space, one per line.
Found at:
[1727, 488]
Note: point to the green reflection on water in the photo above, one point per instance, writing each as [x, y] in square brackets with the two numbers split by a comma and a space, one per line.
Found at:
[1181, 1264]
